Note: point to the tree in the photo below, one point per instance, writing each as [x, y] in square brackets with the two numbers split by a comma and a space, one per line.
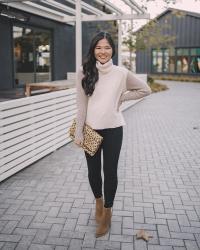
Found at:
[154, 34]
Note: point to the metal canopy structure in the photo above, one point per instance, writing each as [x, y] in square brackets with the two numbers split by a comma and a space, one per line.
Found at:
[77, 11]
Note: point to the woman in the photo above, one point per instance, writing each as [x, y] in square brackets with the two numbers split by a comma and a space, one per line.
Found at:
[101, 88]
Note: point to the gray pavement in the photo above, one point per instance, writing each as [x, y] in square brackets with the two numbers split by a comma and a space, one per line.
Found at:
[49, 205]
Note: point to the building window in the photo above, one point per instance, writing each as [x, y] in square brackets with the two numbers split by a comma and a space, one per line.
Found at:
[162, 61]
[179, 60]
[195, 60]
[172, 60]
[32, 57]
[182, 60]
[166, 60]
[157, 61]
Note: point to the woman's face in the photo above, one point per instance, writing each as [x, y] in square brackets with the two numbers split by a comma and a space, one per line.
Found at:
[103, 51]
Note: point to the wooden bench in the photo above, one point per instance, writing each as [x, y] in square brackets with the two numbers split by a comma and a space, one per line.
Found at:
[48, 86]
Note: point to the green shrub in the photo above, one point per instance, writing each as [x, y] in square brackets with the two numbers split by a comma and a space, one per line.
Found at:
[183, 78]
[150, 79]
[156, 87]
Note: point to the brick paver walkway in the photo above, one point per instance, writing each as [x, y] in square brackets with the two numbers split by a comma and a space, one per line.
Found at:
[49, 205]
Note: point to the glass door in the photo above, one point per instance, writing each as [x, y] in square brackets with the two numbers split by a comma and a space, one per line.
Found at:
[23, 56]
[32, 57]
[43, 56]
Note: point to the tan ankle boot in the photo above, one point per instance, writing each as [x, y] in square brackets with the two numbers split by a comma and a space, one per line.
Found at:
[99, 209]
[104, 225]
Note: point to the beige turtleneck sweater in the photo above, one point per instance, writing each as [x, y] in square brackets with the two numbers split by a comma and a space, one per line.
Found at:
[115, 85]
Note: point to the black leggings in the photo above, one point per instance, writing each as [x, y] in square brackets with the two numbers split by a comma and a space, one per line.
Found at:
[111, 146]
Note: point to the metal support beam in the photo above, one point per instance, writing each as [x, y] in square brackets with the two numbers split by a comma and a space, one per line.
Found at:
[108, 17]
[120, 43]
[78, 35]
[110, 6]
[87, 7]
[38, 11]
[137, 6]
[132, 7]
[59, 6]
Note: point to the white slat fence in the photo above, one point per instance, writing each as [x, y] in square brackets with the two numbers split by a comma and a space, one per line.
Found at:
[33, 127]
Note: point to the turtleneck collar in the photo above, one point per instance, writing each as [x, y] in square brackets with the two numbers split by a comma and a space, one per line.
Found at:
[104, 68]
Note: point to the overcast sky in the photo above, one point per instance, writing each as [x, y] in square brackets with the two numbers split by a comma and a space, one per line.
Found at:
[157, 6]
[154, 8]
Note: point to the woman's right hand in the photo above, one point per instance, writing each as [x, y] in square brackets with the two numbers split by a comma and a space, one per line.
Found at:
[79, 141]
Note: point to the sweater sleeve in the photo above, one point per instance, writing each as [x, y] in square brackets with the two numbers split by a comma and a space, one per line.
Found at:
[81, 101]
[136, 88]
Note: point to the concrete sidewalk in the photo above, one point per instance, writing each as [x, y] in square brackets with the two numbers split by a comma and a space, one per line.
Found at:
[49, 205]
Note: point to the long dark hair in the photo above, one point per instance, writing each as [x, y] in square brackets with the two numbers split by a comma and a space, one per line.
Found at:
[90, 71]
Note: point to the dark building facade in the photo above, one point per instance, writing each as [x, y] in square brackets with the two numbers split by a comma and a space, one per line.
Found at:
[32, 51]
[39, 49]
[182, 57]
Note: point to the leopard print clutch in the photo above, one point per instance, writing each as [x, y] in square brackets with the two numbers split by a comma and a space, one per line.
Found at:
[92, 139]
